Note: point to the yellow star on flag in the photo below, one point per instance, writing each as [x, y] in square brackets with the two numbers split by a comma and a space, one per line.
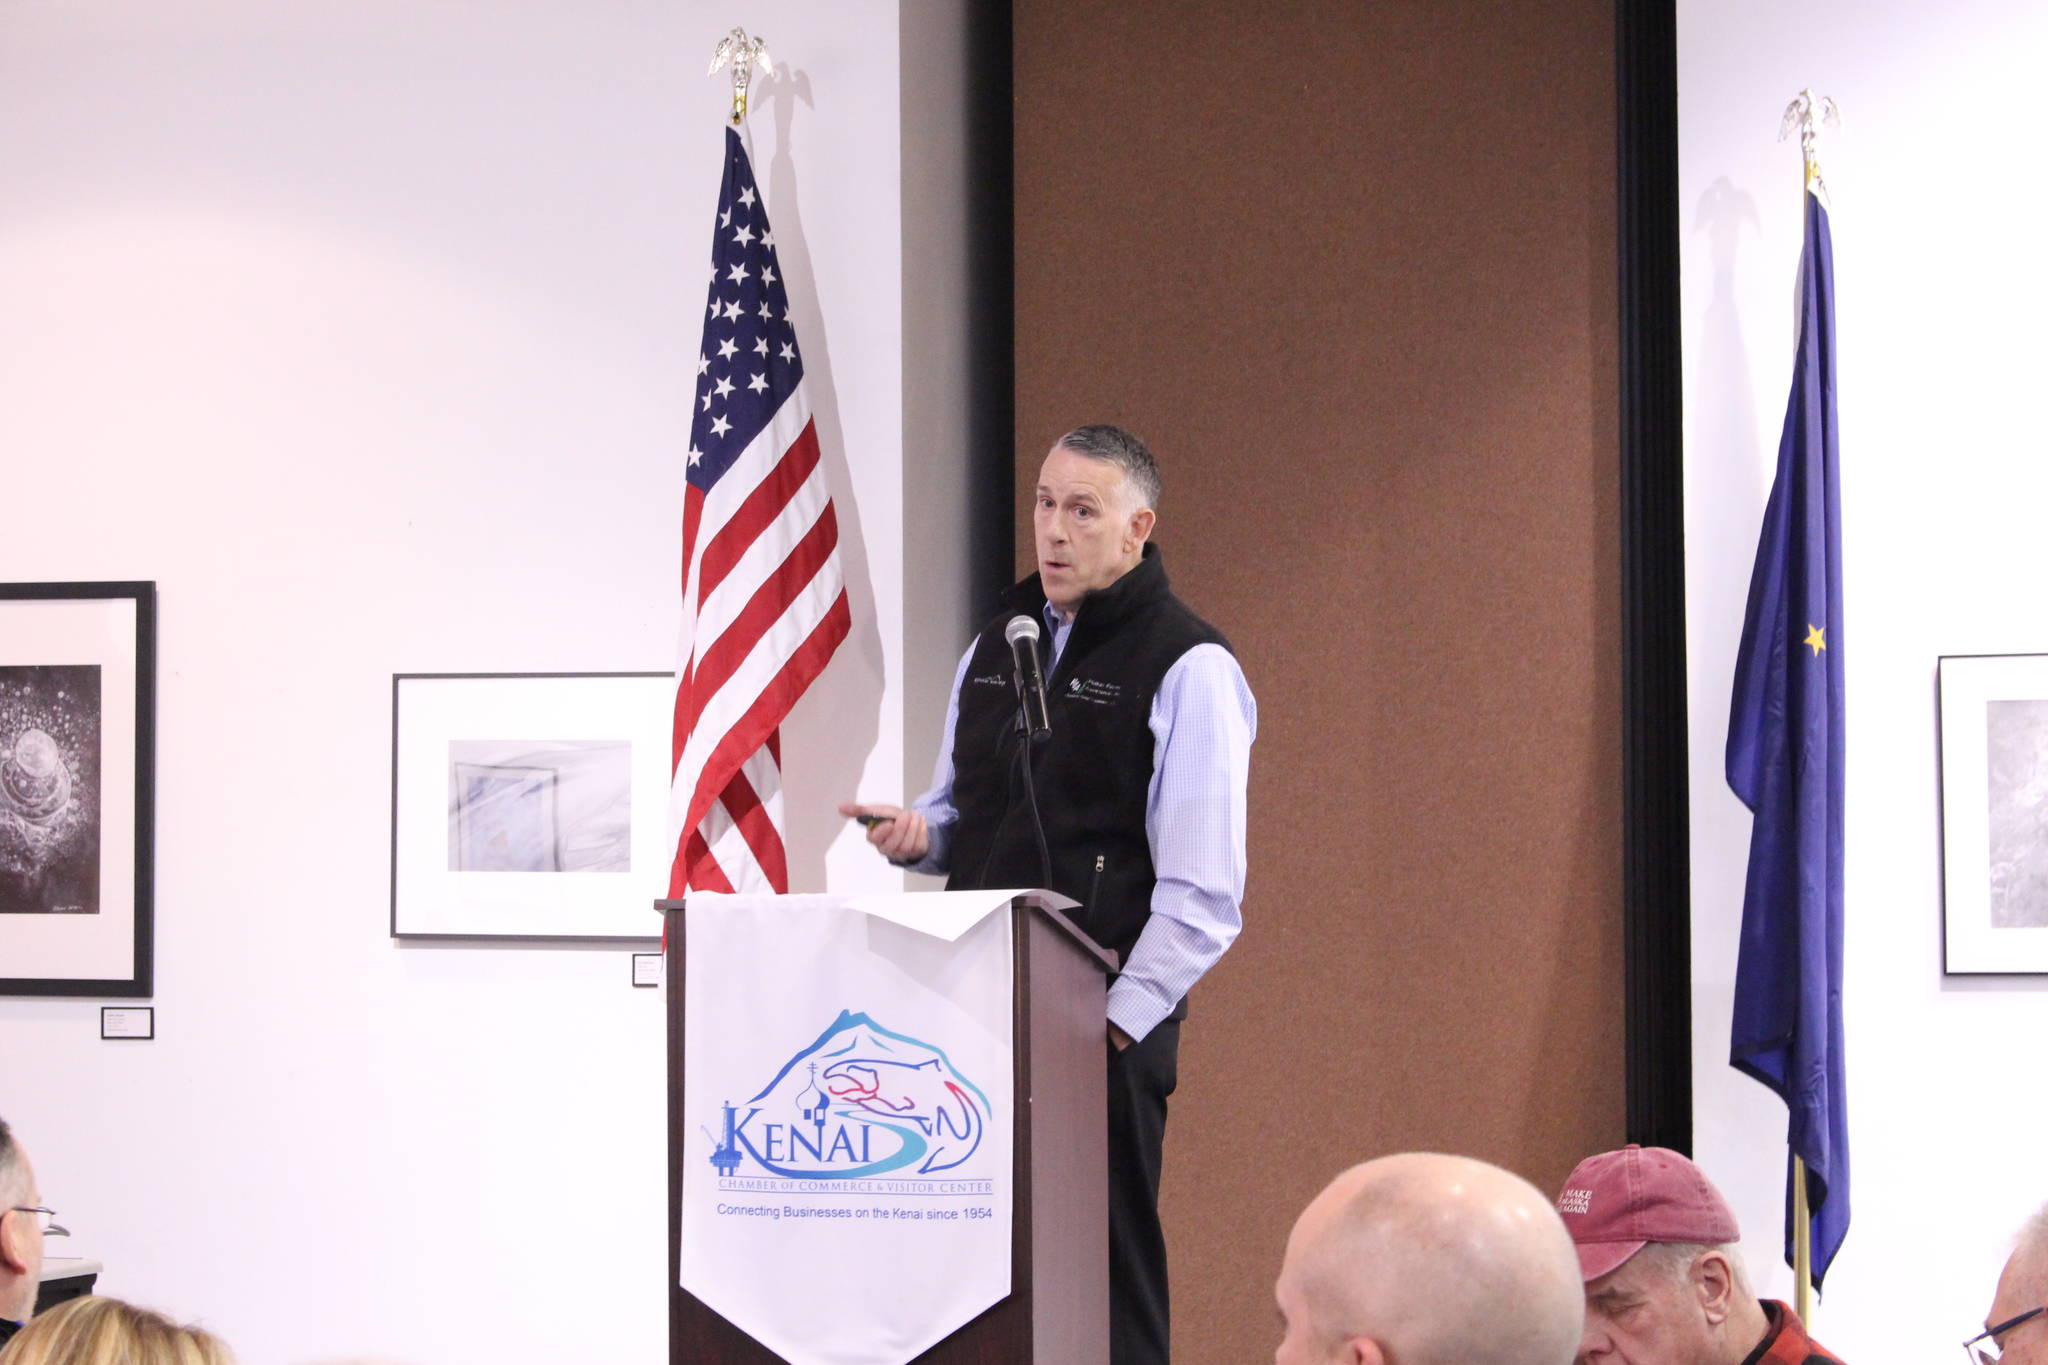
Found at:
[1816, 637]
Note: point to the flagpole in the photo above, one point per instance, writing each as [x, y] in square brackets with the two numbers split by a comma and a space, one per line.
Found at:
[1806, 110]
[1802, 1246]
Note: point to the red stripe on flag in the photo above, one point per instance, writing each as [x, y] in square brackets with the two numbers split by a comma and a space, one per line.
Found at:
[752, 729]
[768, 500]
[693, 517]
[679, 734]
[743, 804]
[716, 666]
[697, 870]
[687, 853]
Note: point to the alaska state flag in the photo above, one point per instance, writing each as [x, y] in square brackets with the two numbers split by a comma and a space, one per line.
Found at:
[1785, 739]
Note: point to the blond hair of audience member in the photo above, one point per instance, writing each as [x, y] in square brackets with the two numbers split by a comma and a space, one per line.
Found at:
[1424, 1259]
[100, 1331]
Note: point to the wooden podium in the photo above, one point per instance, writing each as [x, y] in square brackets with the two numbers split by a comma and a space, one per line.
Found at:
[1058, 1309]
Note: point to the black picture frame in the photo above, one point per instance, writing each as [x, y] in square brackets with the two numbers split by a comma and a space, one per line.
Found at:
[510, 727]
[1991, 731]
[107, 747]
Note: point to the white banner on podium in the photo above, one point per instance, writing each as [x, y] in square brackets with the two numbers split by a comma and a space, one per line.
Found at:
[848, 1111]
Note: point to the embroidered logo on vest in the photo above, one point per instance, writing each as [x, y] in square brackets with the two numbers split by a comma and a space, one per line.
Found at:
[1089, 690]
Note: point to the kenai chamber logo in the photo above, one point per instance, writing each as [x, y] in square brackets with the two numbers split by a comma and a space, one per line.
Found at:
[861, 1101]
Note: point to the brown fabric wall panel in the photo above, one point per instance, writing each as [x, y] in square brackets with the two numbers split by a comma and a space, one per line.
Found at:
[1350, 269]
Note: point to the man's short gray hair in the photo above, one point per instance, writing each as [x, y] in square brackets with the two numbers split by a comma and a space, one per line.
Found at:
[10, 1165]
[2033, 1239]
[1125, 451]
[1674, 1261]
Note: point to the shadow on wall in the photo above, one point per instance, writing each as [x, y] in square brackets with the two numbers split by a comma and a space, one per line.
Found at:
[835, 725]
[1727, 479]
[1724, 466]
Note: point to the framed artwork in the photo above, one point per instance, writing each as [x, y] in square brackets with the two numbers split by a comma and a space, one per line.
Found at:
[77, 787]
[1994, 812]
[529, 805]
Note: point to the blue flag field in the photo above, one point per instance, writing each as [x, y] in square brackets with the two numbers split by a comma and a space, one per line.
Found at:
[1785, 762]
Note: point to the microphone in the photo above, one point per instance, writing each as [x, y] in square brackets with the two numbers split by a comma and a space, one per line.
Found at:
[1022, 633]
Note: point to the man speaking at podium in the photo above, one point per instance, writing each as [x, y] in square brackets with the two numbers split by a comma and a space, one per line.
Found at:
[1140, 792]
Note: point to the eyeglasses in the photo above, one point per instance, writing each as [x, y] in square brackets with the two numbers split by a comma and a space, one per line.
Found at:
[1983, 1349]
[46, 1220]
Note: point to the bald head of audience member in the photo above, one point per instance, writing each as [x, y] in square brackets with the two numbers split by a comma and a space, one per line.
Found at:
[2017, 1324]
[1421, 1259]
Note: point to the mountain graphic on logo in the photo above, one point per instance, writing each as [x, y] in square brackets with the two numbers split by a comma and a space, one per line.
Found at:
[861, 1101]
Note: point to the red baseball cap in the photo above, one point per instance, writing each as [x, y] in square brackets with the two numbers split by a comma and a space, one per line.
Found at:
[1616, 1203]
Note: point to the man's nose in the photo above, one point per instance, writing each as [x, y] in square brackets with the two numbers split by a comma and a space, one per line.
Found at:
[1593, 1343]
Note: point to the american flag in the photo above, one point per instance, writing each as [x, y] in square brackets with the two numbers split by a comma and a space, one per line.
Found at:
[764, 605]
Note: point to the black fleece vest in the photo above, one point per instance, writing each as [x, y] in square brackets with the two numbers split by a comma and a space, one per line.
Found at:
[1092, 775]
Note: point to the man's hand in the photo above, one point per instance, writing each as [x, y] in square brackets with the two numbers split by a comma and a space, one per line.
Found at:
[899, 835]
[1118, 1038]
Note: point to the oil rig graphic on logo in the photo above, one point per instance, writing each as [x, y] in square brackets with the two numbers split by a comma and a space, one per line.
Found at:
[727, 1157]
[861, 1101]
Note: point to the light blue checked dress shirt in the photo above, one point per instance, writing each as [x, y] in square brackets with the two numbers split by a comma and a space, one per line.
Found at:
[1203, 723]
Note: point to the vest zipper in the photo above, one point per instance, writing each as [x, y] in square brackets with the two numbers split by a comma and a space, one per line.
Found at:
[1095, 882]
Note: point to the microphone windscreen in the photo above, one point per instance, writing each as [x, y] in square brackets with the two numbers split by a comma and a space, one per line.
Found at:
[1020, 628]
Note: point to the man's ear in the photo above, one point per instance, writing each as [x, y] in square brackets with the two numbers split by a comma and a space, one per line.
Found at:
[1141, 525]
[1713, 1279]
[1362, 1351]
[14, 1244]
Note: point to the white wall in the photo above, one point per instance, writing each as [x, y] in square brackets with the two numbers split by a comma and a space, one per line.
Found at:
[1940, 293]
[365, 330]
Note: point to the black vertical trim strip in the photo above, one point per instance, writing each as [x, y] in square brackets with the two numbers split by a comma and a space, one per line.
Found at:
[1656, 875]
[992, 305]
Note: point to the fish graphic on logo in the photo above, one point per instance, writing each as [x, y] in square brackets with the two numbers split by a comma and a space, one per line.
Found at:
[861, 1101]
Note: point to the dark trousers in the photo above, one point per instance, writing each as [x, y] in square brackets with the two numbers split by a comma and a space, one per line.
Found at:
[1140, 1079]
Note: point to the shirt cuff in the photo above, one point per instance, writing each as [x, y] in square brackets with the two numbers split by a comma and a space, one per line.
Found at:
[1134, 1009]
